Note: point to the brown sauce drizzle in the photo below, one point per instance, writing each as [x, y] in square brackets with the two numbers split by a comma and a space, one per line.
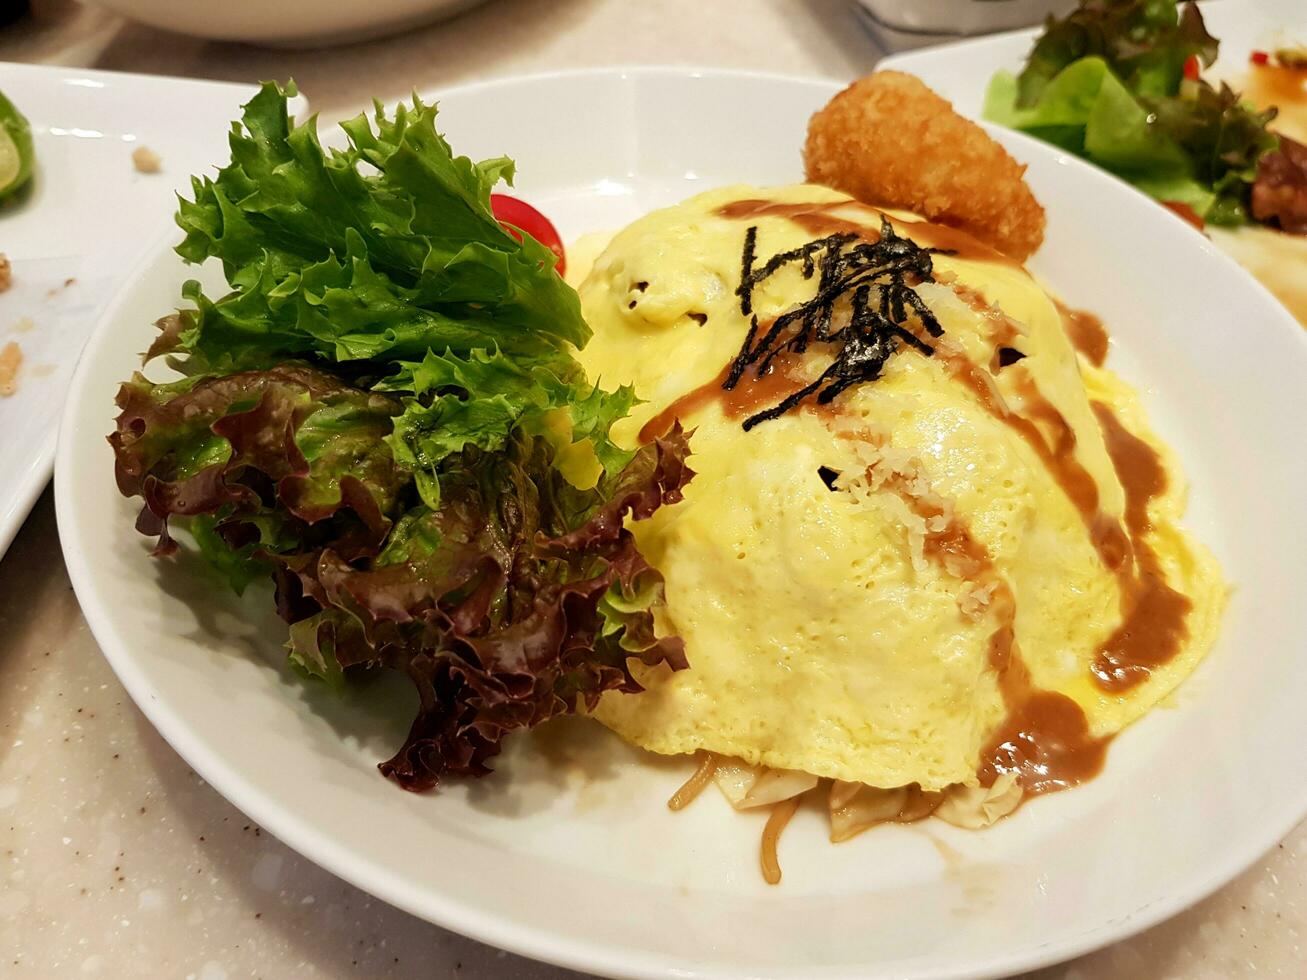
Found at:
[814, 218]
[775, 385]
[1046, 741]
[1153, 627]
[817, 219]
[1155, 623]
[1086, 333]
[1109, 539]
[1045, 738]
[954, 240]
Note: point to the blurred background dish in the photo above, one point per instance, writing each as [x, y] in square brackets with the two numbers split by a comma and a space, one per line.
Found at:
[961, 16]
[896, 26]
[298, 23]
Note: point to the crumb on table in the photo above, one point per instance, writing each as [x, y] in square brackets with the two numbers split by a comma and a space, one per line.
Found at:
[6, 273]
[11, 358]
[146, 160]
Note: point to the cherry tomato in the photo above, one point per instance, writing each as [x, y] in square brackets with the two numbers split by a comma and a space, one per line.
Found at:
[514, 214]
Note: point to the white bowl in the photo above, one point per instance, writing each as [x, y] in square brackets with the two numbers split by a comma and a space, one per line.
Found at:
[286, 22]
[576, 860]
[962, 16]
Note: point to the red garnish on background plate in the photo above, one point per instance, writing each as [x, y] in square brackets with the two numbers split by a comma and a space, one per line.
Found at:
[1260, 58]
[1186, 212]
[517, 215]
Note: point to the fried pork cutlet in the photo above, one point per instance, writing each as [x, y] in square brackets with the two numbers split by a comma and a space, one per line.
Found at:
[890, 141]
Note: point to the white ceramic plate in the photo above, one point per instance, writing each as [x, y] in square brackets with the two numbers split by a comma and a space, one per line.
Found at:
[568, 854]
[949, 17]
[86, 217]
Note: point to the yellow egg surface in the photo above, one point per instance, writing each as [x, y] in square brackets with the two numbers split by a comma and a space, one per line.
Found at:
[828, 629]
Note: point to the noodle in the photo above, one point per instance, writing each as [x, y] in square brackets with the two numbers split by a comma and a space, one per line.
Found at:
[853, 807]
[693, 786]
[771, 835]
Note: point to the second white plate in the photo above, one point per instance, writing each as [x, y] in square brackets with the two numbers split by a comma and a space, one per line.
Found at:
[76, 232]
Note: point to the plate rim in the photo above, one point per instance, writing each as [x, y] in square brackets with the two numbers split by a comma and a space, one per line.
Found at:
[446, 911]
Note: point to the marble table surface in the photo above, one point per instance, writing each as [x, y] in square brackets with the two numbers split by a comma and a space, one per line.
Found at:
[117, 860]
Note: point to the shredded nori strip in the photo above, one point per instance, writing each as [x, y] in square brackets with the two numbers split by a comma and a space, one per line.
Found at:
[878, 280]
[828, 476]
[1007, 356]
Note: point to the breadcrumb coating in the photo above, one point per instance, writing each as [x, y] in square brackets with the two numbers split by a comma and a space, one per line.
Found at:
[890, 141]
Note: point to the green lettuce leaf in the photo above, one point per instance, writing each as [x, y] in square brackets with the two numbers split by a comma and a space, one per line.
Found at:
[1088, 110]
[385, 259]
[1146, 43]
[385, 248]
[384, 415]
[482, 399]
[517, 598]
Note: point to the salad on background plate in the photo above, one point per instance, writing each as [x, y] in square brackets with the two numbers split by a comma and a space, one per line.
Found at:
[1203, 108]
[1119, 82]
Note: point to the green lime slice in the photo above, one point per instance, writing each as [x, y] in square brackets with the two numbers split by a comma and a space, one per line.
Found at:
[16, 153]
[11, 161]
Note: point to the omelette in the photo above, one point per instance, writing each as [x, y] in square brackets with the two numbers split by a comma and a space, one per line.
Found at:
[932, 552]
